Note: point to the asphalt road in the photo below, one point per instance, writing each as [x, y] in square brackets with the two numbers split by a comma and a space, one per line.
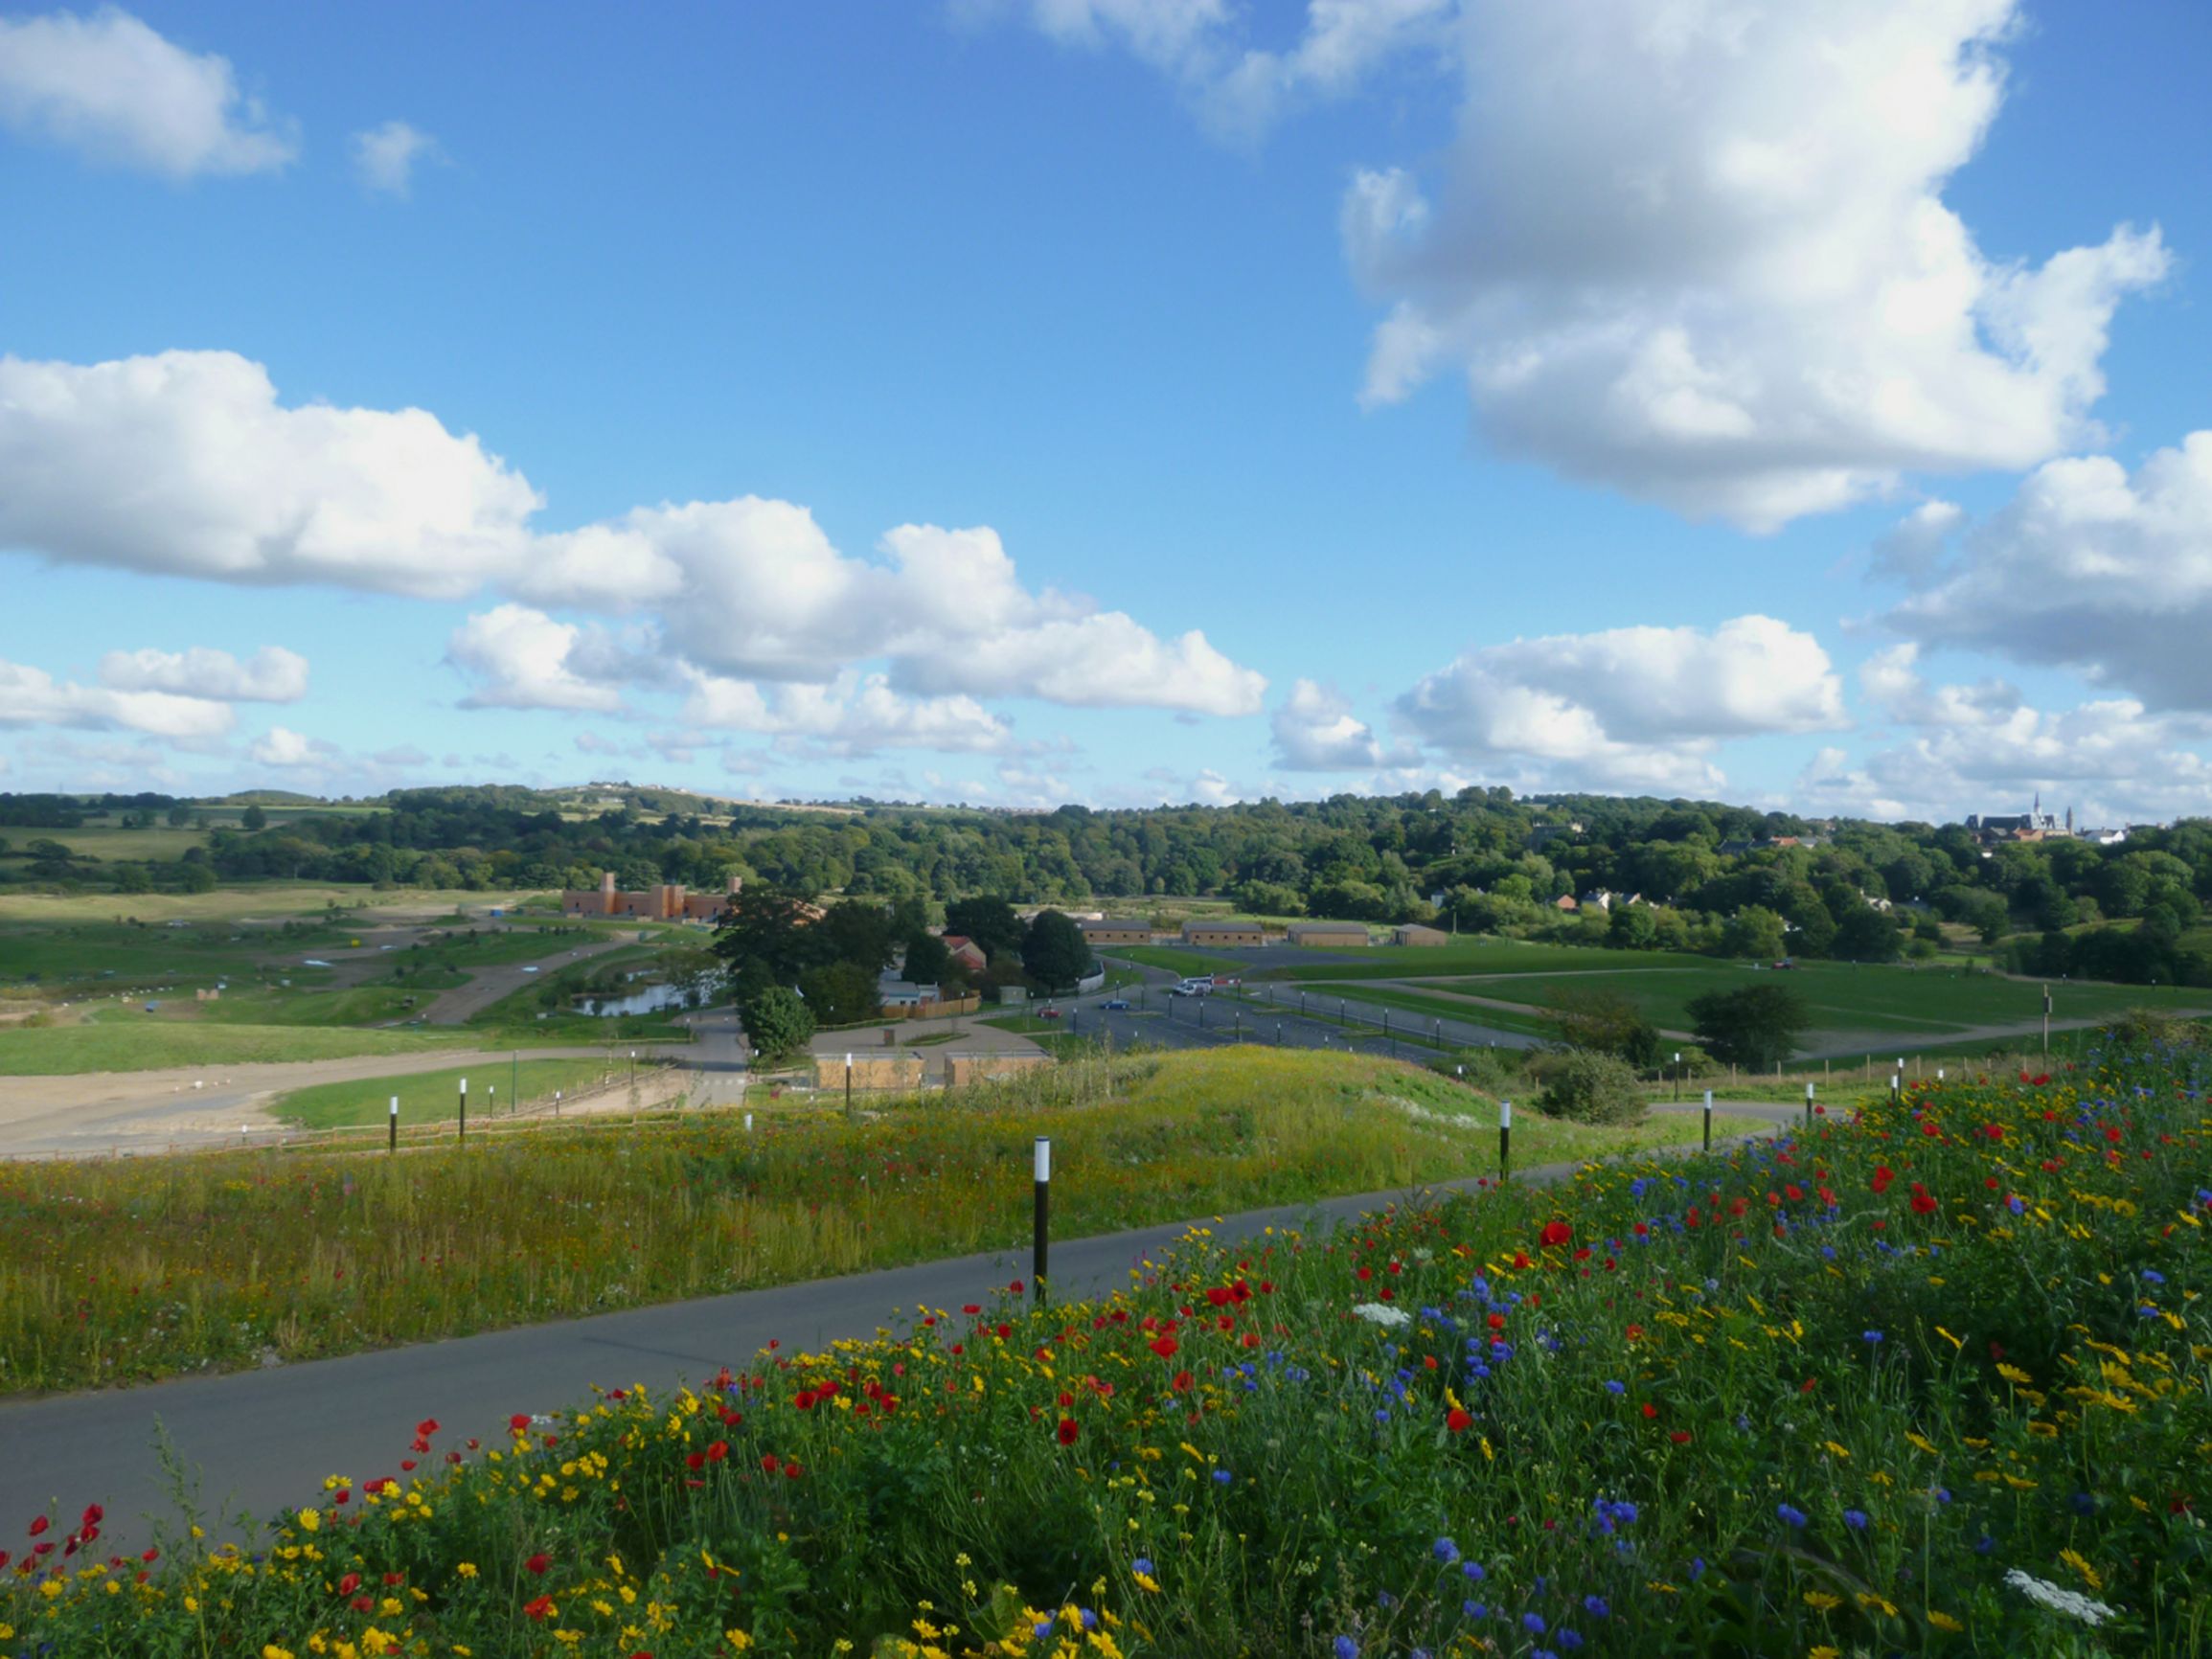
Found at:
[261, 1440]
[1266, 1013]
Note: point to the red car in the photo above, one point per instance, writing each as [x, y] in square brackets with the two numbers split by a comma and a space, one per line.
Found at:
[1049, 1013]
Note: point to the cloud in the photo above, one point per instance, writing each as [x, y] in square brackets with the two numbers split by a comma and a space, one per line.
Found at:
[1240, 90]
[592, 743]
[282, 746]
[1630, 707]
[522, 659]
[186, 465]
[853, 715]
[406, 758]
[31, 697]
[1894, 686]
[1699, 253]
[384, 157]
[112, 89]
[2088, 569]
[274, 674]
[1314, 731]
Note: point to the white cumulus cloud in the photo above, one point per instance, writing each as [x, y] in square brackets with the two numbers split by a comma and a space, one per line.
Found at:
[1315, 731]
[282, 746]
[31, 697]
[1699, 252]
[111, 87]
[273, 674]
[1629, 708]
[2088, 569]
[853, 715]
[187, 465]
[384, 156]
[521, 658]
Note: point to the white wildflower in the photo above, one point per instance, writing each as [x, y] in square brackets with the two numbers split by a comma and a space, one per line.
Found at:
[1383, 1313]
[2059, 1601]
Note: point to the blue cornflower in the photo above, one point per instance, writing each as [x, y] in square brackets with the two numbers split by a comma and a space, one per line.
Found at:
[1347, 1648]
[1144, 1565]
[1533, 1623]
[1872, 1335]
[1473, 1611]
[1089, 1618]
[1445, 1550]
[1595, 1607]
[1222, 1477]
[1697, 1568]
[1791, 1516]
[1472, 1571]
[1043, 1630]
[2017, 1204]
[2152, 1275]
[1854, 1519]
[1828, 1252]
[1984, 1544]
[1570, 1639]
[1616, 1387]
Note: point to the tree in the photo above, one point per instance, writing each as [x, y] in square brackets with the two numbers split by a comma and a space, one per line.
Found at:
[857, 931]
[840, 993]
[1632, 927]
[1754, 1028]
[1866, 935]
[1603, 1022]
[179, 815]
[1590, 1087]
[254, 818]
[777, 1022]
[988, 920]
[926, 960]
[1055, 951]
[764, 935]
[1754, 932]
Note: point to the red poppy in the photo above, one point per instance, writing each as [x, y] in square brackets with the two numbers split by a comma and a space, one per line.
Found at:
[1651, 1410]
[770, 1464]
[718, 1451]
[1457, 1421]
[1555, 1233]
[1496, 1321]
[537, 1564]
[1922, 1203]
[429, 1424]
[792, 1471]
[38, 1525]
[519, 1422]
[1680, 1437]
[1067, 1431]
[1165, 1347]
[1182, 1382]
[351, 1582]
[539, 1608]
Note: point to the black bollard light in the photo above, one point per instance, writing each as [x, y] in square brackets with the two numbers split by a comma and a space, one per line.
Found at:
[1037, 1249]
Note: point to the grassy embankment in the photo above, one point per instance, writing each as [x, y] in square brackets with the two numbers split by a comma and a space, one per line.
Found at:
[1933, 1382]
[498, 1090]
[121, 1271]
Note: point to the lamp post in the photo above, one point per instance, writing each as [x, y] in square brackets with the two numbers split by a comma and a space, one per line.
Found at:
[1708, 1119]
[1504, 1138]
[464, 1135]
[1040, 1238]
[392, 1141]
[1678, 1074]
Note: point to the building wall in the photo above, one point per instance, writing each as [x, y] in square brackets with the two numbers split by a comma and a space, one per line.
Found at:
[1415, 934]
[1224, 933]
[1327, 932]
[1117, 932]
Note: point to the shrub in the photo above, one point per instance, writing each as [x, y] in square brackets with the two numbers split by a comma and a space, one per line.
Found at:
[1590, 1087]
[777, 1023]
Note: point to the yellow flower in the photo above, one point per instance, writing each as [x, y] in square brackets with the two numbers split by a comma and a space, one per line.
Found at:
[310, 1520]
[1821, 1601]
[1944, 1621]
[737, 1640]
[466, 1569]
[2014, 1374]
[1825, 1652]
[2073, 1559]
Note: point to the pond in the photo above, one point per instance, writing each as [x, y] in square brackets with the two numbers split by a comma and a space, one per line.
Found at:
[650, 999]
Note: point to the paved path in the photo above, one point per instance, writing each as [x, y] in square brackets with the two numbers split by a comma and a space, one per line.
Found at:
[264, 1439]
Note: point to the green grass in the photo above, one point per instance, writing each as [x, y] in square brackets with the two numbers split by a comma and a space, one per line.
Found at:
[1483, 955]
[1177, 960]
[1322, 1003]
[1927, 1005]
[151, 1044]
[434, 1097]
[247, 902]
[559, 1221]
[108, 842]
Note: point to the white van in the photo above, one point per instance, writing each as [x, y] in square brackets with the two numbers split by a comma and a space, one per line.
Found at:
[1201, 987]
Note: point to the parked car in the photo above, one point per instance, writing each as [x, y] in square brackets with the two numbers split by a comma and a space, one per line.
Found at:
[1048, 1013]
[1116, 1005]
[1192, 987]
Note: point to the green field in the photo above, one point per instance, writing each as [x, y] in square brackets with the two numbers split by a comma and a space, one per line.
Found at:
[59, 1051]
[434, 1097]
[1902, 1007]
[106, 841]
[271, 898]
[1484, 955]
[1176, 959]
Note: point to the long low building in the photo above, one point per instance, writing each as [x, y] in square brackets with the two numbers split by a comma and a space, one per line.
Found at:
[1329, 933]
[1235, 931]
[1110, 930]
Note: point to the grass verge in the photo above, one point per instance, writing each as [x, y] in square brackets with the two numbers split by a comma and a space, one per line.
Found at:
[122, 1271]
[63, 1050]
[434, 1097]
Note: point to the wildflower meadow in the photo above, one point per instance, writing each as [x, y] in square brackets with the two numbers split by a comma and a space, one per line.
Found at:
[1928, 1378]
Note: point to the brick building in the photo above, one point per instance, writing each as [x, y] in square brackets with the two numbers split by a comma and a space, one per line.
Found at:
[667, 902]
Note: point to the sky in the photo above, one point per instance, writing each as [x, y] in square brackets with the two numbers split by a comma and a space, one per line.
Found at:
[1796, 402]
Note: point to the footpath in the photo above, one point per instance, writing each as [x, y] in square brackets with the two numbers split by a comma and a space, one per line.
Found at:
[263, 1440]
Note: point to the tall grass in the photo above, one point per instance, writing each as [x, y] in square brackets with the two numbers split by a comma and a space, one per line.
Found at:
[126, 1270]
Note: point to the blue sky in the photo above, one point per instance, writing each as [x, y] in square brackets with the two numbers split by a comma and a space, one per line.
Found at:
[1788, 403]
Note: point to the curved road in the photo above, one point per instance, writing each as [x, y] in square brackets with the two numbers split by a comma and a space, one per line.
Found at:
[262, 1440]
